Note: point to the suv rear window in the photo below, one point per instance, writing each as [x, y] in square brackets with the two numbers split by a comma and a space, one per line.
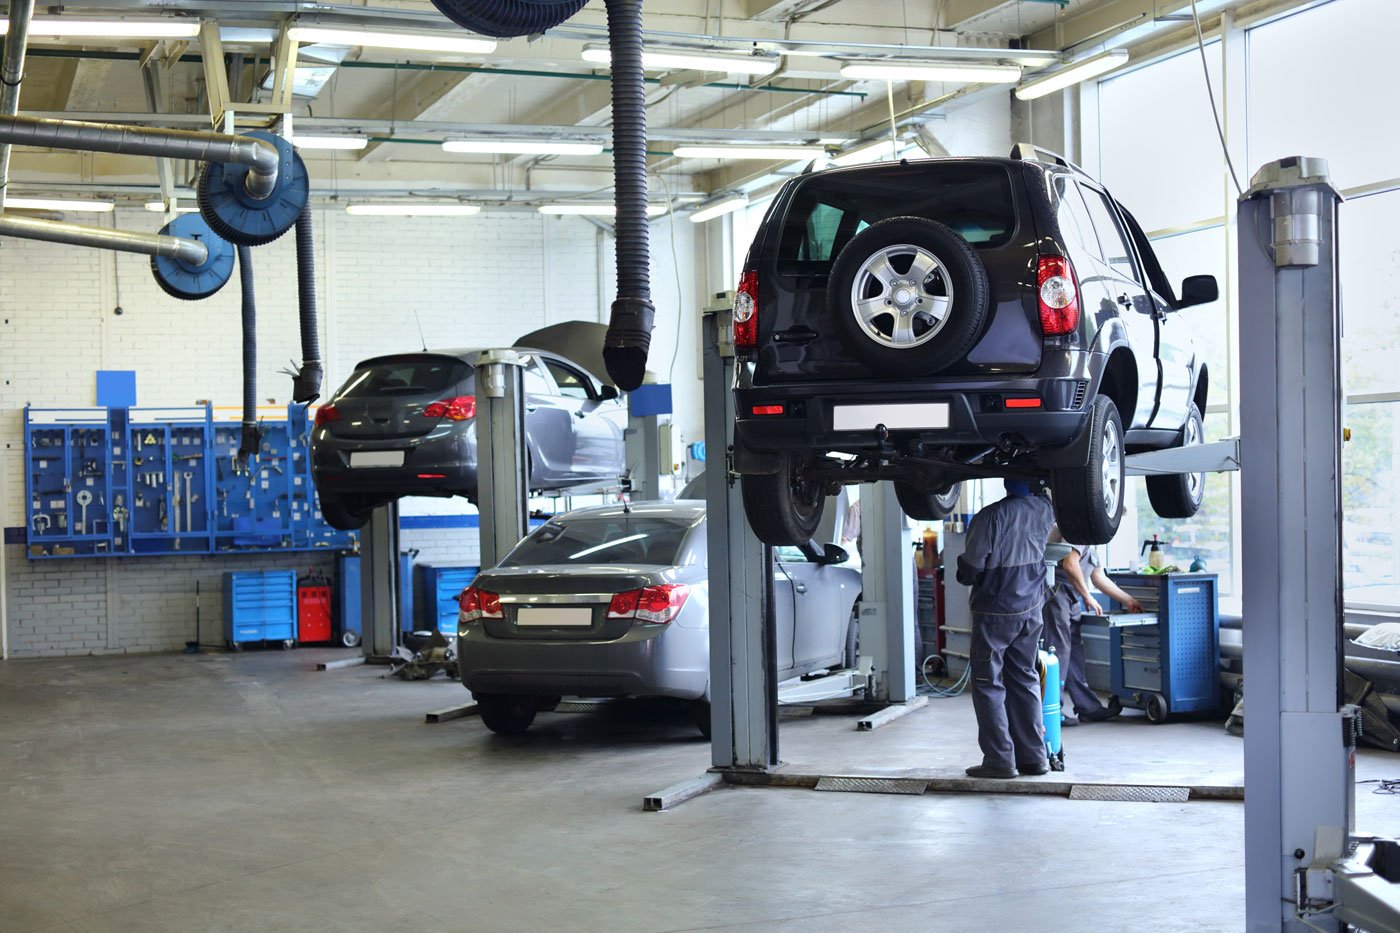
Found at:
[409, 377]
[975, 199]
[614, 540]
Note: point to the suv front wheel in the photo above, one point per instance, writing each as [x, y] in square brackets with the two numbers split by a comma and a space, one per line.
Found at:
[1089, 499]
[925, 506]
[1179, 495]
[783, 508]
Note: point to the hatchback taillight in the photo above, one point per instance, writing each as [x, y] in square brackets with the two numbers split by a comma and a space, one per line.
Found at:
[746, 311]
[1059, 296]
[460, 408]
[477, 604]
[326, 414]
[660, 603]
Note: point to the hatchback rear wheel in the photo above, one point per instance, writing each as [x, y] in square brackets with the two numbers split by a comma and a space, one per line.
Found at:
[347, 514]
[504, 714]
[909, 296]
[784, 508]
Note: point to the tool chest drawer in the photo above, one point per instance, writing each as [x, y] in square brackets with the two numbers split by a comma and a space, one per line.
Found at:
[260, 606]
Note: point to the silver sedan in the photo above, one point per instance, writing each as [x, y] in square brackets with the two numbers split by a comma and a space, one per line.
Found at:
[613, 601]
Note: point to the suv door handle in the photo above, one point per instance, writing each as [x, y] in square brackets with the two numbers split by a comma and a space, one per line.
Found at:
[800, 588]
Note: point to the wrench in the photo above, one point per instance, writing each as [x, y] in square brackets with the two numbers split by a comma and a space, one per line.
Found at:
[189, 512]
[83, 498]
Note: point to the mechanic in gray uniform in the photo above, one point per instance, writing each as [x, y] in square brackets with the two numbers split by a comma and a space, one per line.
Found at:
[1004, 564]
[1063, 626]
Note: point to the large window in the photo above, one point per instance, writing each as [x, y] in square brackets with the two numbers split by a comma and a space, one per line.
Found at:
[1308, 88]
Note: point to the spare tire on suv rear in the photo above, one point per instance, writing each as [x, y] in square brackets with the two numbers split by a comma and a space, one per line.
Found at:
[909, 296]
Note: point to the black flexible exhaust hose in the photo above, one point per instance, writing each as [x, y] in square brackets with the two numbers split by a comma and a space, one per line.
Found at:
[248, 444]
[629, 330]
[306, 385]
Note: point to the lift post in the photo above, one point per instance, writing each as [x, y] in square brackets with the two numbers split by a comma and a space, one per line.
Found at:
[743, 675]
[501, 461]
[1300, 738]
[379, 582]
[887, 594]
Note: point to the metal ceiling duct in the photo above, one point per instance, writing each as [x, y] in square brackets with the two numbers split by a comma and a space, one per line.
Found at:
[628, 337]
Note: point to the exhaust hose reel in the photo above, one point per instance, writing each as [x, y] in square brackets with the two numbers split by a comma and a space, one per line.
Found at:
[190, 281]
[629, 330]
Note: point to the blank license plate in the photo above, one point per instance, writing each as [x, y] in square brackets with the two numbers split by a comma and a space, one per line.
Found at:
[376, 458]
[924, 416]
[554, 617]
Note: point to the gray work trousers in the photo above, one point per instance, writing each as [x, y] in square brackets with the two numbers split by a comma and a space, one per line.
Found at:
[1064, 633]
[1006, 690]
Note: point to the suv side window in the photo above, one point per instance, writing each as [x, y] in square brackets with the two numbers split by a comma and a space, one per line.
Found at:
[1074, 222]
[1116, 250]
[571, 384]
[823, 227]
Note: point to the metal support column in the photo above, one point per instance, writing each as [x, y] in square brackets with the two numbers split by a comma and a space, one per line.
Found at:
[643, 443]
[743, 675]
[501, 460]
[379, 582]
[887, 593]
[1298, 760]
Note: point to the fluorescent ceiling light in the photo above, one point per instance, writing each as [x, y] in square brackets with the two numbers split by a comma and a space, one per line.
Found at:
[159, 208]
[330, 142]
[524, 146]
[415, 41]
[1079, 71]
[61, 204]
[410, 209]
[595, 209]
[932, 71]
[676, 60]
[720, 207]
[110, 29]
[874, 152]
[738, 151]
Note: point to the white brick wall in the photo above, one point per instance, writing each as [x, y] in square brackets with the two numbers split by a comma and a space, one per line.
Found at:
[472, 281]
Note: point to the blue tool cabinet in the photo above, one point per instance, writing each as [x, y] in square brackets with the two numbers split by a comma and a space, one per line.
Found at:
[438, 589]
[1170, 664]
[121, 482]
[260, 606]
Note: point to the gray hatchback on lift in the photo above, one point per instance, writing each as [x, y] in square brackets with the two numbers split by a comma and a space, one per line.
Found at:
[613, 601]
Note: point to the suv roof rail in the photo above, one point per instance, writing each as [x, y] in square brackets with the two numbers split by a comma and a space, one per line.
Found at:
[1029, 152]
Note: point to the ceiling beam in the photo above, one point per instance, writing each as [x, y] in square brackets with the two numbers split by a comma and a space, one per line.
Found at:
[428, 96]
[956, 12]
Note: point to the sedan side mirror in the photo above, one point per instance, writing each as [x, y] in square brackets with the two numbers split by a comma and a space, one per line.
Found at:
[607, 393]
[1198, 290]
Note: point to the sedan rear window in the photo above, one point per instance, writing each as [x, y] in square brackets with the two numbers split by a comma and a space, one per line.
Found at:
[619, 539]
[410, 377]
[974, 199]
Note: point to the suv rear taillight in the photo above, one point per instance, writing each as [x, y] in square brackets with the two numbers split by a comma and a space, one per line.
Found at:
[460, 408]
[660, 603]
[1059, 296]
[326, 414]
[746, 311]
[474, 605]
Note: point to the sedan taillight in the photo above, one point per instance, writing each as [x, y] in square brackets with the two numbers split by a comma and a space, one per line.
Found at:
[657, 604]
[746, 311]
[460, 408]
[1059, 296]
[476, 604]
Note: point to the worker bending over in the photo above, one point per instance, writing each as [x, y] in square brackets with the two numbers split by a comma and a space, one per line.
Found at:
[1004, 564]
[1064, 626]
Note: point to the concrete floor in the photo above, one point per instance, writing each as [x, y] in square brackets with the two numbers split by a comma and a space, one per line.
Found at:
[249, 792]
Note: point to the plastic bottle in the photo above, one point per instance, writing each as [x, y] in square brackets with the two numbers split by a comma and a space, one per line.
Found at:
[1155, 558]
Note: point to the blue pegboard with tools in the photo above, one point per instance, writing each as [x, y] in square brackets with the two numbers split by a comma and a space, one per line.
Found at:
[142, 481]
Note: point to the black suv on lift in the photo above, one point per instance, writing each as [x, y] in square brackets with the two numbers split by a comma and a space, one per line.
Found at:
[938, 320]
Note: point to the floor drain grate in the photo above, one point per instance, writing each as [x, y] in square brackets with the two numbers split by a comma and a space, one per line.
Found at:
[870, 785]
[1131, 793]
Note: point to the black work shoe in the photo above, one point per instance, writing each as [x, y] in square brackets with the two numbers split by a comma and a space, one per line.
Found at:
[1040, 767]
[1097, 715]
[1067, 720]
[986, 771]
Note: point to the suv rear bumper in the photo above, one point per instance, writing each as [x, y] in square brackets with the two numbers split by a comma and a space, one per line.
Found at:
[976, 415]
